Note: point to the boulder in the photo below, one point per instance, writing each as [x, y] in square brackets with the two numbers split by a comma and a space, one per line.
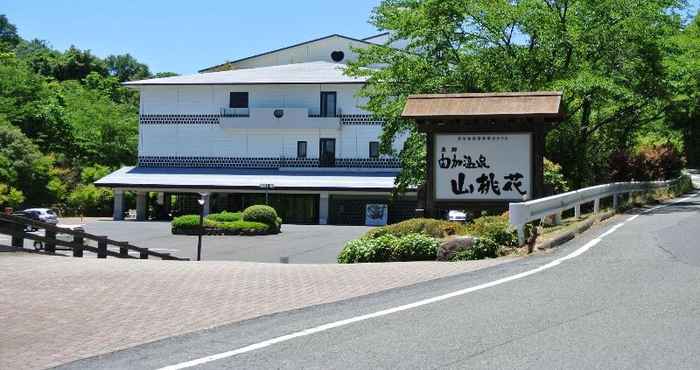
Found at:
[454, 245]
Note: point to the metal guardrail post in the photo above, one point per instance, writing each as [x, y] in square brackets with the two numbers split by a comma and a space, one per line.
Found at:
[102, 247]
[596, 206]
[50, 247]
[123, 252]
[143, 254]
[577, 210]
[78, 250]
[616, 202]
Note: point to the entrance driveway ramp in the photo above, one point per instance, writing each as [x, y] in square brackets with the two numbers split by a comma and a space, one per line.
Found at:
[55, 310]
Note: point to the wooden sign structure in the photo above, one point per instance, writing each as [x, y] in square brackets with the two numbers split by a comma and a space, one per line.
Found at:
[483, 150]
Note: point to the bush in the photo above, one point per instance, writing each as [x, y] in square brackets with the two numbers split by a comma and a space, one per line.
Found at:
[389, 248]
[554, 178]
[189, 222]
[649, 163]
[495, 228]
[415, 247]
[482, 248]
[243, 227]
[225, 216]
[368, 250]
[430, 227]
[261, 213]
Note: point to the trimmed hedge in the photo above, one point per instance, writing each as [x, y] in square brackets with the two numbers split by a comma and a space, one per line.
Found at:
[389, 248]
[231, 223]
[428, 226]
[225, 216]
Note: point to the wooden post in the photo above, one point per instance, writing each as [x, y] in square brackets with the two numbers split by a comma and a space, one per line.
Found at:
[17, 235]
[78, 250]
[123, 252]
[102, 247]
[50, 247]
[143, 254]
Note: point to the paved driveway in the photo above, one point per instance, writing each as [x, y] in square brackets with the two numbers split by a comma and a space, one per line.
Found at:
[301, 243]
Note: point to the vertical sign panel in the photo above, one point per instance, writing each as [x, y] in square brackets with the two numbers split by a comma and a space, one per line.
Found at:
[483, 167]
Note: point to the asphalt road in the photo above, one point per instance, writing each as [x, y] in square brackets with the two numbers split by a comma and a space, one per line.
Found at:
[298, 243]
[631, 301]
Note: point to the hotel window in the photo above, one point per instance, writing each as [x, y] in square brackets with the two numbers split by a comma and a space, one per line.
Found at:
[374, 149]
[301, 149]
[238, 100]
[328, 103]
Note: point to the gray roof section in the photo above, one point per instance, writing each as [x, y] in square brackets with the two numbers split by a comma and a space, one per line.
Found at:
[299, 73]
[224, 178]
[289, 47]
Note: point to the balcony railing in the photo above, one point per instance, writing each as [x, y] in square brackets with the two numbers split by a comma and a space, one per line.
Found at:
[235, 112]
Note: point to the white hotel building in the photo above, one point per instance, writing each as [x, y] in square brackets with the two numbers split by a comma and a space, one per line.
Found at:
[285, 125]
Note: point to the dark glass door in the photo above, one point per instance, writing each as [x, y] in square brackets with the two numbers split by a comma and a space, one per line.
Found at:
[327, 153]
[328, 103]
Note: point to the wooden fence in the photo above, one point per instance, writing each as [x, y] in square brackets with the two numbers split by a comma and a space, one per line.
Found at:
[16, 228]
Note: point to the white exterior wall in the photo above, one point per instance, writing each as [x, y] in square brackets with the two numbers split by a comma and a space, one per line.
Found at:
[211, 140]
[194, 99]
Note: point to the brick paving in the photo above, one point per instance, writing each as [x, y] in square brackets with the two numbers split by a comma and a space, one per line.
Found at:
[55, 310]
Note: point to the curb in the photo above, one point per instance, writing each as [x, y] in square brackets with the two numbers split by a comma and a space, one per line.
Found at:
[564, 237]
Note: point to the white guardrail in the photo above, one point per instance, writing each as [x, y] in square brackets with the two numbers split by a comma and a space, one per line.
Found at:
[524, 212]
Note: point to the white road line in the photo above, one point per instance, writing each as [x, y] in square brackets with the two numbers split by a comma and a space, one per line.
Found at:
[337, 324]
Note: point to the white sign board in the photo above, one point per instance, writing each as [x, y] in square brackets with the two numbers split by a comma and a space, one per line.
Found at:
[376, 214]
[483, 167]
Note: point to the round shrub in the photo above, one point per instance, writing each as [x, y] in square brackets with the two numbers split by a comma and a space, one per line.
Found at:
[261, 213]
[482, 248]
[415, 247]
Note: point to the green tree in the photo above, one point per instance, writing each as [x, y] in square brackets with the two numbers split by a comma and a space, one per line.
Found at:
[606, 55]
[8, 34]
[684, 75]
[22, 166]
[126, 68]
[29, 102]
[103, 131]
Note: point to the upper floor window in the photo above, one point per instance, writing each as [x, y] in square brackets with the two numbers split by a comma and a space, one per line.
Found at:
[301, 149]
[238, 100]
[374, 149]
[328, 103]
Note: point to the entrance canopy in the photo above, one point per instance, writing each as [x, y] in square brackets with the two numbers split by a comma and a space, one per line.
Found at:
[248, 179]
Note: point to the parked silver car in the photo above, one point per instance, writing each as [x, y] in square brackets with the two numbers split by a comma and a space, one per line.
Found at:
[39, 214]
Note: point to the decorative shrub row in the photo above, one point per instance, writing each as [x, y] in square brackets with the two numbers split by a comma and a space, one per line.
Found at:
[254, 220]
[422, 239]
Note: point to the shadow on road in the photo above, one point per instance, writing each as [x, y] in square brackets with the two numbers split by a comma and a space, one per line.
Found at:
[688, 206]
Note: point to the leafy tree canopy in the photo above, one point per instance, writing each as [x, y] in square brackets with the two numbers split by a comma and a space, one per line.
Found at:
[606, 55]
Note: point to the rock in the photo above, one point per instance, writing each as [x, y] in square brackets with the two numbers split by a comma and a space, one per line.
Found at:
[452, 246]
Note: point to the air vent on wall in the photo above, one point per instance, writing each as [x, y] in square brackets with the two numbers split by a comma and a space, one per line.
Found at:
[337, 56]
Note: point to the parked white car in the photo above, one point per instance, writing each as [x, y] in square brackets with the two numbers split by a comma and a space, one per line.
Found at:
[457, 216]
